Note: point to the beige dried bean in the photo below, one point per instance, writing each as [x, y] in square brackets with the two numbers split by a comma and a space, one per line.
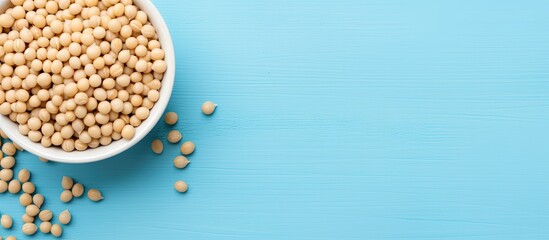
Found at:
[6, 174]
[29, 229]
[65, 217]
[170, 118]
[66, 196]
[157, 146]
[95, 195]
[180, 162]
[27, 219]
[181, 186]
[9, 149]
[77, 190]
[187, 148]
[45, 215]
[6, 221]
[3, 186]
[45, 227]
[174, 136]
[208, 108]
[67, 182]
[38, 199]
[32, 210]
[14, 186]
[7, 162]
[23, 175]
[56, 230]
[28, 187]
[25, 199]
[128, 132]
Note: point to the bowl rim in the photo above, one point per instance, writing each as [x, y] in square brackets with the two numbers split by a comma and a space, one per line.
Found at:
[116, 147]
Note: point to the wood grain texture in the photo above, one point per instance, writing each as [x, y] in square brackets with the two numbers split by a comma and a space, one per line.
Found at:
[373, 119]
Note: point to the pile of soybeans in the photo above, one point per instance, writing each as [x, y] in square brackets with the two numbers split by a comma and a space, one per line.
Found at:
[78, 74]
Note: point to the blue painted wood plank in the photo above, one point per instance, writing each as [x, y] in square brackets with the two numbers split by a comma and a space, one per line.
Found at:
[370, 119]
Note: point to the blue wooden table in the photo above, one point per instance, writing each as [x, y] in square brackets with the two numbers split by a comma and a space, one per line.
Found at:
[351, 119]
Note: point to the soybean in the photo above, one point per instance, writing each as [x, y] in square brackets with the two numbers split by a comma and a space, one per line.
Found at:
[67, 182]
[6, 221]
[29, 228]
[180, 162]
[171, 118]
[56, 230]
[77, 190]
[38, 199]
[24, 175]
[25, 199]
[187, 148]
[45, 227]
[14, 186]
[181, 186]
[66, 196]
[157, 146]
[95, 195]
[65, 217]
[208, 108]
[45, 215]
[174, 136]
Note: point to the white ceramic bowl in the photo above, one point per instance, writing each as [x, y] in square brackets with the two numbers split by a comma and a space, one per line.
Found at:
[116, 147]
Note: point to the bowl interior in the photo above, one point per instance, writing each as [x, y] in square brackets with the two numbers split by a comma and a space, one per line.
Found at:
[116, 147]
